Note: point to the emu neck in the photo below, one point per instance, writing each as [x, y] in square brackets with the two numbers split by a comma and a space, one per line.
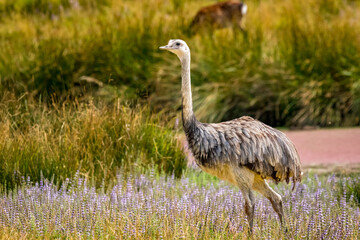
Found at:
[187, 109]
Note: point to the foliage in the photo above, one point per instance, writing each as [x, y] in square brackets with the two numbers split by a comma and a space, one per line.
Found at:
[95, 139]
[349, 187]
[153, 207]
[49, 7]
[296, 64]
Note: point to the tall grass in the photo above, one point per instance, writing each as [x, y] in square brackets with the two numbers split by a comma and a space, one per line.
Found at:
[297, 64]
[322, 46]
[47, 7]
[95, 139]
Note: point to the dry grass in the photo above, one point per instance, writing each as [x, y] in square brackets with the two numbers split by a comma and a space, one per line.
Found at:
[298, 64]
[98, 140]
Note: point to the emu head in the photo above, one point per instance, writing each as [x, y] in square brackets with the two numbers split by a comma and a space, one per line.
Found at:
[177, 46]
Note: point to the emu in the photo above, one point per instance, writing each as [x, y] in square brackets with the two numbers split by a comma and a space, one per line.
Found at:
[220, 15]
[244, 152]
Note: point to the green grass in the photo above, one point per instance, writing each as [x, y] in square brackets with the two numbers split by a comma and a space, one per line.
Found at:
[297, 65]
[95, 139]
[47, 7]
[152, 206]
[350, 187]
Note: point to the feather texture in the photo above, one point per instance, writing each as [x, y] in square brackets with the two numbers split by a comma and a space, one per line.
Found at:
[246, 142]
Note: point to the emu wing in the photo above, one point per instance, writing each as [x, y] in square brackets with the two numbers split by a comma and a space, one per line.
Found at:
[245, 142]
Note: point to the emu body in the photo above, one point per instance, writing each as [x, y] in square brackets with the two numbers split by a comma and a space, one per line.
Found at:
[245, 152]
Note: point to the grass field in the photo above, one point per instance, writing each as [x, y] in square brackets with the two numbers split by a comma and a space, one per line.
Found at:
[97, 140]
[90, 109]
[194, 207]
[297, 64]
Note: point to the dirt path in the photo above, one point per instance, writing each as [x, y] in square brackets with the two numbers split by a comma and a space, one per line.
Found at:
[328, 150]
[327, 145]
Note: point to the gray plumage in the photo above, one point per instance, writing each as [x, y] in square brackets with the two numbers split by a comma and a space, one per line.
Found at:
[244, 142]
[243, 151]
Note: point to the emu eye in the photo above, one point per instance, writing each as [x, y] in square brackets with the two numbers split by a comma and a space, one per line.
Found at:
[177, 44]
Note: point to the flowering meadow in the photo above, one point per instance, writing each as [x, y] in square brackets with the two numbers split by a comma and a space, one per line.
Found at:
[153, 206]
[89, 108]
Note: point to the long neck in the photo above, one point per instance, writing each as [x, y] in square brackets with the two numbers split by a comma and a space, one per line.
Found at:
[186, 88]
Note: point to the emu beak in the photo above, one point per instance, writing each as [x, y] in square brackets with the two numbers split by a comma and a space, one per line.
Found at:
[164, 47]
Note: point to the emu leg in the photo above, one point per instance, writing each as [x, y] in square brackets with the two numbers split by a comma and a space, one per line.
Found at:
[277, 205]
[244, 179]
[276, 201]
[249, 207]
